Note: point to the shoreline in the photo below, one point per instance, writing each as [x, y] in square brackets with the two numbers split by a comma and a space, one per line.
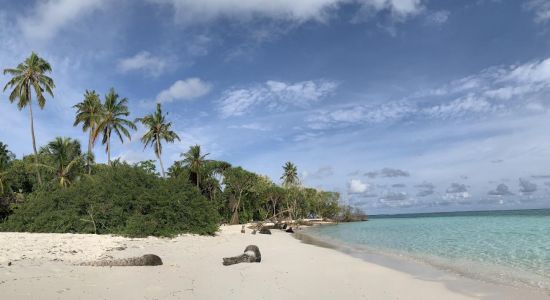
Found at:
[44, 264]
[460, 281]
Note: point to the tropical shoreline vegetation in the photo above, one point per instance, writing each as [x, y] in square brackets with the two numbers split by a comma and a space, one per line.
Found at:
[60, 188]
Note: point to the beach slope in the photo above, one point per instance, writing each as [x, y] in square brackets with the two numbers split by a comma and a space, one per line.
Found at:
[44, 266]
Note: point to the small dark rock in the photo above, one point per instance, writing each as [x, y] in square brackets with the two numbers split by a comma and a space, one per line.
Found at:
[9, 263]
[265, 231]
[289, 230]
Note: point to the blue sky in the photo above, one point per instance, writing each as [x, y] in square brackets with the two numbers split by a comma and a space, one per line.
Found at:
[399, 105]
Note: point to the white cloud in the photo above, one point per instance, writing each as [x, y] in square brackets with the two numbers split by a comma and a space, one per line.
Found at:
[203, 11]
[274, 95]
[301, 93]
[495, 90]
[49, 17]
[541, 9]
[356, 114]
[438, 17]
[251, 126]
[187, 89]
[460, 107]
[356, 186]
[143, 61]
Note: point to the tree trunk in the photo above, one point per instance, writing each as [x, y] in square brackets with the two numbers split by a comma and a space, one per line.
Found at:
[161, 166]
[198, 180]
[159, 158]
[34, 144]
[109, 147]
[90, 151]
[235, 215]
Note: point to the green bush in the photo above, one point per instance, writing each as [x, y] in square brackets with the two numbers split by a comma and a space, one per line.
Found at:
[121, 200]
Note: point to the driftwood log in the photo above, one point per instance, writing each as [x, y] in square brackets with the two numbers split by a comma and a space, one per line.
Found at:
[145, 260]
[251, 254]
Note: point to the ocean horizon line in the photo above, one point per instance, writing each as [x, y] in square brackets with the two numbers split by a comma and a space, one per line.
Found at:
[452, 213]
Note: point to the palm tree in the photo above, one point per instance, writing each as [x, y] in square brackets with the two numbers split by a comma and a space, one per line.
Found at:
[158, 130]
[26, 77]
[290, 175]
[63, 155]
[114, 111]
[89, 112]
[6, 156]
[194, 160]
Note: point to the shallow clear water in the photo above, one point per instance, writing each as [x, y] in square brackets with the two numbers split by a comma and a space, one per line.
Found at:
[511, 246]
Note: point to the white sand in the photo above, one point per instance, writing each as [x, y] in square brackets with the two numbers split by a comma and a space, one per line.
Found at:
[43, 268]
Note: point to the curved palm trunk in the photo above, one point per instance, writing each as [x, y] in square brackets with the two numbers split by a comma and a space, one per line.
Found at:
[159, 158]
[90, 151]
[198, 180]
[34, 144]
[109, 147]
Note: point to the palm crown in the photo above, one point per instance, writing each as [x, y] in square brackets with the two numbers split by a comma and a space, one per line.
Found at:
[290, 174]
[28, 76]
[194, 160]
[89, 112]
[157, 130]
[115, 109]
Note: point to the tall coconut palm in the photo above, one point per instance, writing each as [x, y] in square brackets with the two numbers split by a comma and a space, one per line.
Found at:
[89, 112]
[194, 160]
[112, 120]
[30, 76]
[158, 130]
[290, 175]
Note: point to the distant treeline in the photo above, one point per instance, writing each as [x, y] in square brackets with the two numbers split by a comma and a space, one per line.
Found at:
[60, 188]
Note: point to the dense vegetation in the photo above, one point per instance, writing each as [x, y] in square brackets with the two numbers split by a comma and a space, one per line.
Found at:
[61, 189]
[122, 200]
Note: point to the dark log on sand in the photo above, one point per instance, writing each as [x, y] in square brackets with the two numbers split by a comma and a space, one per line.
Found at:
[251, 254]
[145, 260]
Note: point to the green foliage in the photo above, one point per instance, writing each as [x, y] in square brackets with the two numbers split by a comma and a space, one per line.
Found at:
[148, 166]
[122, 200]
[63, 160]
[6, 156]
[290, 175]
[20, 175]
[349, 213]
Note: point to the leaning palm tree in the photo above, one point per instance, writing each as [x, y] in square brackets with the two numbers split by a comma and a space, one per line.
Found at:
[158, 130]
[89, 113]
[194, 160]
[26, 77]
[114, 111]
[290, 175]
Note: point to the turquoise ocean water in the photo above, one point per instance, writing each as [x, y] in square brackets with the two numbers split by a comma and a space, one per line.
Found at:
[511, 247]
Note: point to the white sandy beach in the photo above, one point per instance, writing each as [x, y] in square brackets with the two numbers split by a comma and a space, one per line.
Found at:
[43, 267]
